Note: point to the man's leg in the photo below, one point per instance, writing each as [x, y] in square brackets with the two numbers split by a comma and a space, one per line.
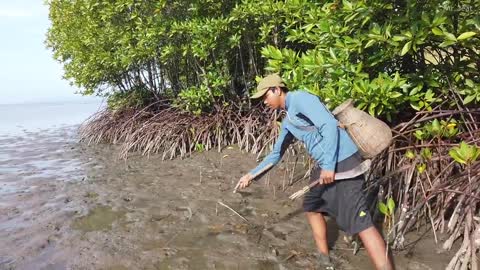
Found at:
[319, 229]
[373, 242]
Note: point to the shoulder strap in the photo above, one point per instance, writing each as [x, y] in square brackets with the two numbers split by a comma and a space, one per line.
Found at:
[312, 126]
[305, 128]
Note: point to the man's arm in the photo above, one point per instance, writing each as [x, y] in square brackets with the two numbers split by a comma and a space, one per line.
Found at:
[283, 141]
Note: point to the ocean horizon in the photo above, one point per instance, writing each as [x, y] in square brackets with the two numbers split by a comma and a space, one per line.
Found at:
[16, 119]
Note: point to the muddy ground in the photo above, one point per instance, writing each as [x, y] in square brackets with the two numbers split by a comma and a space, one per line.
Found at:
[66, 205]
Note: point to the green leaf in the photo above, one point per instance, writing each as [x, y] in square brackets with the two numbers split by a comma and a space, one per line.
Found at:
[446, 43]
[466, 35]
[399, 38]
[468, 99]
[410, 154]
[426, 153]
[415, 106]
[469, 83]
[450, 36]
[455, 155]
[391, 206]
[439, 20]
[415, 90]
[421, 168]
[476, 154]
[332, 53]
[351, 17]
[406, 48]
[395, 94]
[383, 208]
[308, 27]
[347, 5]
[276, 53]
[437, 31]
[370, 43]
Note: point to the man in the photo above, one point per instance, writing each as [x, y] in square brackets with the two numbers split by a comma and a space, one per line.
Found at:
[309, 121]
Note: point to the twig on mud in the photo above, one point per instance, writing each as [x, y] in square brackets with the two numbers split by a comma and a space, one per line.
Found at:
[186, 208]
[228, 207]
[171, 239]
[293, 253]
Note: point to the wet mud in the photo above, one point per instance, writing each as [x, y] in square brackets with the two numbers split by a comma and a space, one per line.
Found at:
[66, 205]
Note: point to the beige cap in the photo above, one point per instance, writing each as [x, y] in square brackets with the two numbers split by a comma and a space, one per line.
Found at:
[271, 80]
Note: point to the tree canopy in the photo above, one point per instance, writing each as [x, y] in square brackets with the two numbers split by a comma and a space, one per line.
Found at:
[387, 55]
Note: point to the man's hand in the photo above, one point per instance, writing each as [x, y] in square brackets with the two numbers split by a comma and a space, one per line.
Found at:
[327, 177]
[244, 181]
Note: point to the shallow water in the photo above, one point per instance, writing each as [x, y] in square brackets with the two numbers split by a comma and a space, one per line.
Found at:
[66, 205]
[98, 219]
[20, 119]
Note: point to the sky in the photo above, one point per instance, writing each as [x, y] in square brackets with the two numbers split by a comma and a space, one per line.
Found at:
[28, 73]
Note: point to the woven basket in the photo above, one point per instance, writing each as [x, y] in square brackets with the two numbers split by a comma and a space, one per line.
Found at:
[370, 134]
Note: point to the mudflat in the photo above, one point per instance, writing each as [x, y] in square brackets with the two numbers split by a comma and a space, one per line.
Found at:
[67, 205]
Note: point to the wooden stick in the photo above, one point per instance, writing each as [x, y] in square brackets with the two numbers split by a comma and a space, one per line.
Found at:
[360, 169]
[228, 207]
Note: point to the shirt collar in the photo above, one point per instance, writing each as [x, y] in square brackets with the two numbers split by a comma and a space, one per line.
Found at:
[287, 100]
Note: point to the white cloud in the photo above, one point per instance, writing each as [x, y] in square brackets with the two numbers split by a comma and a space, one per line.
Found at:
[14, 13]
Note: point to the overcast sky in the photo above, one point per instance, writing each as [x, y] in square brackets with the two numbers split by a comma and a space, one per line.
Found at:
[28, 72]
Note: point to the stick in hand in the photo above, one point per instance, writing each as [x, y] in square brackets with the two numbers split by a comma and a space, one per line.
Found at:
[360, 169]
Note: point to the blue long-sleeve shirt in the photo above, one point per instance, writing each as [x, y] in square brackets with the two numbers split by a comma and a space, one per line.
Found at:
[309, 121]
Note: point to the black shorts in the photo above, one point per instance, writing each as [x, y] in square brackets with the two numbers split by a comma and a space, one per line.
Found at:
[343, 200]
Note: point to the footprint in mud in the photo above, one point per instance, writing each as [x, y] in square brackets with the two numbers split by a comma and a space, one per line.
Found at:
[98, 219]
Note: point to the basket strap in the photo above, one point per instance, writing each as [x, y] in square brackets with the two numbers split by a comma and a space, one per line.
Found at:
[312, 127]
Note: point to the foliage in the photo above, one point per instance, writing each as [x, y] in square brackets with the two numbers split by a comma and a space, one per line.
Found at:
[437, 129]
[383, 54]
[170, 48]
[201, 99]
[465, 153]
[386, 55]
[387, 209]
[132, 99]
[199, 147]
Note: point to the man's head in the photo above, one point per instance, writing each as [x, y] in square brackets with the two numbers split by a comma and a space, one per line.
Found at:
[272, 90]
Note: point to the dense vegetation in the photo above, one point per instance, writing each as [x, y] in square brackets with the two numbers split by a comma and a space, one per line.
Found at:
[177, 75]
